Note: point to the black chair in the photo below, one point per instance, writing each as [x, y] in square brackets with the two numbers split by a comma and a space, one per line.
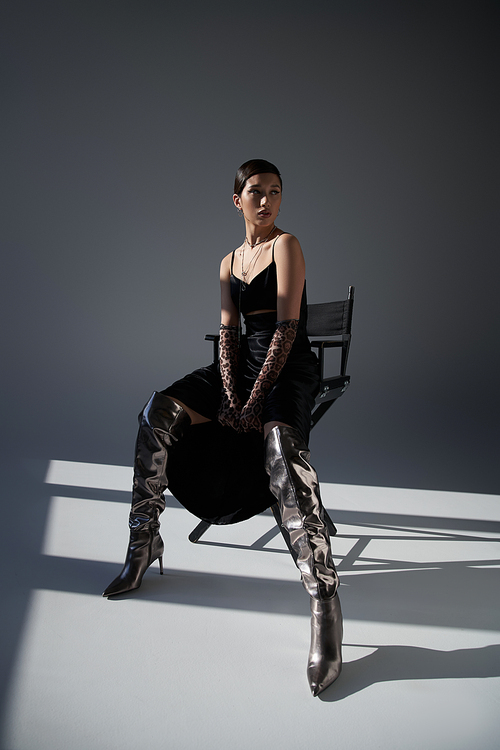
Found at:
[332, 322]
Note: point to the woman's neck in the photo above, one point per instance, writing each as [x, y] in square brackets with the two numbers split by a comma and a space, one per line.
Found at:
[256, 234]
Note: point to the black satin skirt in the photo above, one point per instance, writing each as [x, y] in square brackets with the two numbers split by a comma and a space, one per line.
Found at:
[216, 473]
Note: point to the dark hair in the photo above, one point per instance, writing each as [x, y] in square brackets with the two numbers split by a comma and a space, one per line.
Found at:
[249, 168]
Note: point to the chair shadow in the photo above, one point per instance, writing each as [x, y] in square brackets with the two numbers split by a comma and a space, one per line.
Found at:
[380, 590]
[396, 663]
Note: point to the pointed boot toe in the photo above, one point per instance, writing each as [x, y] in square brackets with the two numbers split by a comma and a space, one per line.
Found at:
[325, 656]
[119, 586]
[144, 548]
[322, 675]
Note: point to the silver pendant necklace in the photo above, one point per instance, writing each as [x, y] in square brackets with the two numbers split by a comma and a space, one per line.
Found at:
[254, 257]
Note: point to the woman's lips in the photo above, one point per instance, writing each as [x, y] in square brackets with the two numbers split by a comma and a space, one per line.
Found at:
[264, 214]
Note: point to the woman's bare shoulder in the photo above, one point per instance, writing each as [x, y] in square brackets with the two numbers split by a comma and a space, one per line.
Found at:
[287, 245]
[225, 265]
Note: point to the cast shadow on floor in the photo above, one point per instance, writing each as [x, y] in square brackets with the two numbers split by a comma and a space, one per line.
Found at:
[396, 663]
[373, 590]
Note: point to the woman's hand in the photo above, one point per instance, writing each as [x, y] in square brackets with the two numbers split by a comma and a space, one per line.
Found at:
[229, 412]
[251, 416]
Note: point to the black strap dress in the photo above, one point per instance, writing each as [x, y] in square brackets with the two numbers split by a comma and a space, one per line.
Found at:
[214, 472]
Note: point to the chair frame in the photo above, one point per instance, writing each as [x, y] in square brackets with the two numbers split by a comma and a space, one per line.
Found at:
[330, 319]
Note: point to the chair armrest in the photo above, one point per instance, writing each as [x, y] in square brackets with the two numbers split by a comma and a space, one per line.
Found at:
[325, 344]
[215, 339]
[322, 344]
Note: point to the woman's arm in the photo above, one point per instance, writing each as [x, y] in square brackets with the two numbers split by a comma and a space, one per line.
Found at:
[291, 272]
[290, 267]
[230, 408]
[228, 312]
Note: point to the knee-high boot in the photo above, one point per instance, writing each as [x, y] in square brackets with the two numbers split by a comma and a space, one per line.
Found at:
[294, 483]
[161, 423]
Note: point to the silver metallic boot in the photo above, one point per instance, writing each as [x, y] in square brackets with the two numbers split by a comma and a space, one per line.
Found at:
[294, 483]
[161, 423]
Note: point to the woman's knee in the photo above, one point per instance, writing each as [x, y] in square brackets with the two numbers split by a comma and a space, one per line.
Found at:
[194, 416]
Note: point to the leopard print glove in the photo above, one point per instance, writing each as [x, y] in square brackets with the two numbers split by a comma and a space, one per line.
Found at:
[277, 355]
[230, 407]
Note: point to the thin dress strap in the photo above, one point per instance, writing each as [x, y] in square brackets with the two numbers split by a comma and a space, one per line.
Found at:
[279, 235]
[277, 238]
[232, 261]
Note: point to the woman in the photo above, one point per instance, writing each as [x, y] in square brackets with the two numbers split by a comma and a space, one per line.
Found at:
[264, 386]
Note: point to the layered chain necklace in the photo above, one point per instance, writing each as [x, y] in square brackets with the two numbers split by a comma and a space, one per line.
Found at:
[254, 258]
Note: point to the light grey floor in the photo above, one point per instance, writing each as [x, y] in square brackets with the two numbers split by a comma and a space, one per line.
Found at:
[213, 653]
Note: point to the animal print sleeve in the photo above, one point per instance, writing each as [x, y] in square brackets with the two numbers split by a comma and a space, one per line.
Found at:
[230, 408]
[277, 355]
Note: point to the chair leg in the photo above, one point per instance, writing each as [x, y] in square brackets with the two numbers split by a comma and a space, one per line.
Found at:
[198, 532]
[203, 527]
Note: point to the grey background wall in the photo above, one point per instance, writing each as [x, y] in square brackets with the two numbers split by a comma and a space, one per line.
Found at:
[123, 125]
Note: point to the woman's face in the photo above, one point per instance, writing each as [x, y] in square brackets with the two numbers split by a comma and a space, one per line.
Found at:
[260, 199]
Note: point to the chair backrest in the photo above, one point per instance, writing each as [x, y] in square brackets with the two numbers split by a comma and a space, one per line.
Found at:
[331, 318]
[323, 319]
